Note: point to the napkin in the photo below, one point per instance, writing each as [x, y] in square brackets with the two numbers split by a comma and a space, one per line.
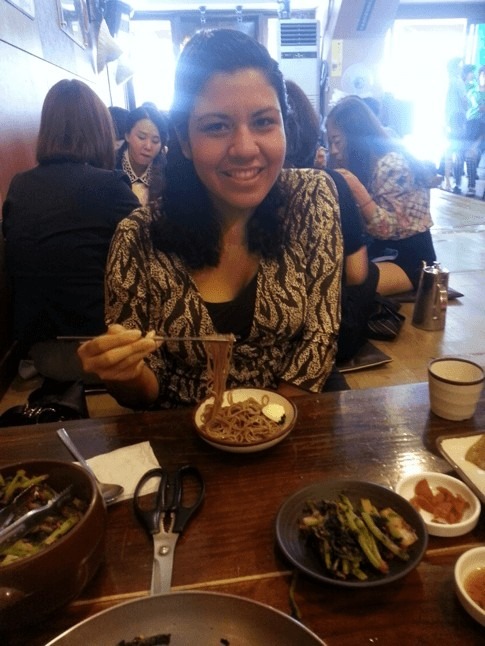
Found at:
[126, 466]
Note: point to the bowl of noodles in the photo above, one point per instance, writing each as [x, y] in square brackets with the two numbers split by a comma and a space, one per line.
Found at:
[248, 420]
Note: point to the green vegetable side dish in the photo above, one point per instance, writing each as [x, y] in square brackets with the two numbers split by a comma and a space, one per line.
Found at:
[352, 542]
[36, 493]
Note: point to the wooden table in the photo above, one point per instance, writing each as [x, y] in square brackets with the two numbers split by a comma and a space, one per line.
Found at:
[377, 435]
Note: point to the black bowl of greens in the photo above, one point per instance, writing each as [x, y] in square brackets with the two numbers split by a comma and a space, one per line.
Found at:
[351, 533]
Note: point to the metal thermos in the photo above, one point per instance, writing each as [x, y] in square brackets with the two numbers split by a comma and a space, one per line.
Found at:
[432, 298]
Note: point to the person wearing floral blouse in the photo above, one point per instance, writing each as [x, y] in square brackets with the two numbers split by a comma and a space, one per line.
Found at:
[392, 190]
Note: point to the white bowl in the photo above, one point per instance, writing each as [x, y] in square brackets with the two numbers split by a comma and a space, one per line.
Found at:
[240, 394]
[469, 562]
[405, 488]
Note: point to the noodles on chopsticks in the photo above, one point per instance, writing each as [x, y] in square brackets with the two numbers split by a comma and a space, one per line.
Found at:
[219, 355]
[241, 422]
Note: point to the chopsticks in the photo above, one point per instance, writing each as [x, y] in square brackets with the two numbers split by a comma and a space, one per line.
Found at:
[222, 338]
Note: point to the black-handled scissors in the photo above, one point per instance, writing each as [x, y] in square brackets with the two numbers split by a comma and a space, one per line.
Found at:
[167, 517]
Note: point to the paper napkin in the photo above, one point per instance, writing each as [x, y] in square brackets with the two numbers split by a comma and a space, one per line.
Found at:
[126, 466]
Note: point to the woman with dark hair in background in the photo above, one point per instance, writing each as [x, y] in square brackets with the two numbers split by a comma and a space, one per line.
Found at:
[237, 245]
[142, 155]
[392, 189]
[58, 220]
[120, 120]
[359, 275]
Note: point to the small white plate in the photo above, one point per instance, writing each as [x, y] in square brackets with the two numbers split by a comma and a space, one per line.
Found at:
[240, 394]
[405, 488]
[454, 450]
[469, 562]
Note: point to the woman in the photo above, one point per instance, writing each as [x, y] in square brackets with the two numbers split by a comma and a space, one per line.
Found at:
[58, 220]
[392, 190]
[359, 275]
[142, 155]
[237, 245]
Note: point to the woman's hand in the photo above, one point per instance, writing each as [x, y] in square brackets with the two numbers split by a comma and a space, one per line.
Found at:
[118, 358]
[117, 355]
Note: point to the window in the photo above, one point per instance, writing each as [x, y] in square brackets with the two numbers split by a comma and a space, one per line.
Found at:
[153, 61]
[415, 70]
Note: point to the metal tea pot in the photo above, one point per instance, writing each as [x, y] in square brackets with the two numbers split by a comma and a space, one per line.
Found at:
[432, 298]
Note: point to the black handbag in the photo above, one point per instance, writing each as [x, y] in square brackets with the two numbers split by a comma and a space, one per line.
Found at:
[54, 401]
[384, 322]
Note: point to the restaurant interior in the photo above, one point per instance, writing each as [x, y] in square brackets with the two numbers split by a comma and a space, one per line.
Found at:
[240, 545]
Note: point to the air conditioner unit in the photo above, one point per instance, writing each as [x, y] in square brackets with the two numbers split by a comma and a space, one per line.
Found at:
[299, 55]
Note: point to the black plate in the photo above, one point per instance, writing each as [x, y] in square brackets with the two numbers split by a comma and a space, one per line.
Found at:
[294, 546]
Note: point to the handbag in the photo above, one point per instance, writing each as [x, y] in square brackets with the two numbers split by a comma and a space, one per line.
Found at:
[384, 322]
[54, 401]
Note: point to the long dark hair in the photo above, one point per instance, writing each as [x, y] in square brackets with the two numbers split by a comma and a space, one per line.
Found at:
[75, 125]
[160, 121]
[191, 228]
[302, 128]
[366, 141]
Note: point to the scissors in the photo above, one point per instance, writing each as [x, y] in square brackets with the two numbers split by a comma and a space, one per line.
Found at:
[166, 518]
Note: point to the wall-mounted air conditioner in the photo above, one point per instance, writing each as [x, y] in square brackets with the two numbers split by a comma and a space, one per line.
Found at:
[299, 55]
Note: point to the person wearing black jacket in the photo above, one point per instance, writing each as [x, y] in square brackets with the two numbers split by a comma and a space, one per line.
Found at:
[58, 221]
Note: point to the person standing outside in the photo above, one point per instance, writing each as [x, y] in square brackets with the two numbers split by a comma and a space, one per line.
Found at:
[456, 104]
[475, 130]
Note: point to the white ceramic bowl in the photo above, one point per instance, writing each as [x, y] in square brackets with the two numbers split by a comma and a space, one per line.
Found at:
[469, 562]
[405, 488]
[455, 385]
[240, 394]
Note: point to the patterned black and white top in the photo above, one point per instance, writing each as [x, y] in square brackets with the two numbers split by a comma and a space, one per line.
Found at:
[296, 308]
[139, 184]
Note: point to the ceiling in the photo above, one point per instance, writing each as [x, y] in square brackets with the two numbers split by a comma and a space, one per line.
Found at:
[187, 5]
[262, 5]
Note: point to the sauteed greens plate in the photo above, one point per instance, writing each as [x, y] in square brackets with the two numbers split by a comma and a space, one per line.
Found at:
[349, 508]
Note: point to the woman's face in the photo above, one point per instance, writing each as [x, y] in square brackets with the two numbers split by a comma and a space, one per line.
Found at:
[336, 145]
[144, 144]
[236, 140]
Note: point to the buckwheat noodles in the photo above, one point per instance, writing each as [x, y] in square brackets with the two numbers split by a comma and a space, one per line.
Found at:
[239, 422]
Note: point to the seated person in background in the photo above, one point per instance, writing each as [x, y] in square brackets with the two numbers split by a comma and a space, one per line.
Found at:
[237, 245]
[392, 189]
[142, 155]
[376, 107]
[359, 275]
[120, 120]
[58, 221]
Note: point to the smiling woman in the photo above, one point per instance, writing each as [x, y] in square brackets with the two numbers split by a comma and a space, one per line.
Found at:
[236, 244]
